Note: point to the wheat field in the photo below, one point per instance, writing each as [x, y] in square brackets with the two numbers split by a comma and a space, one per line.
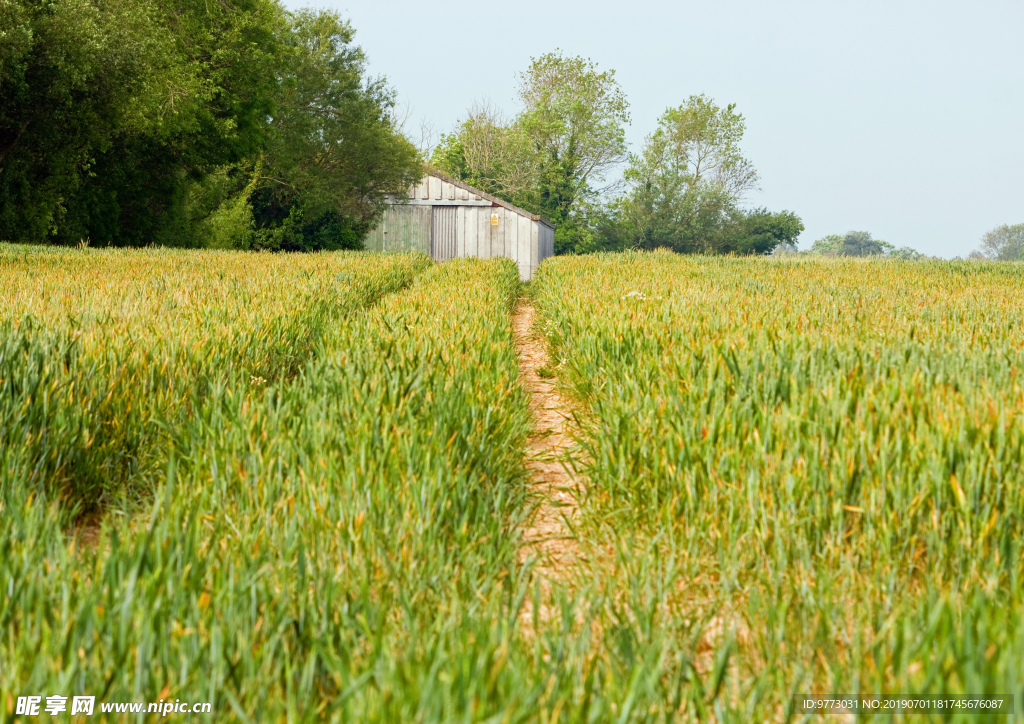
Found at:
[295, 486]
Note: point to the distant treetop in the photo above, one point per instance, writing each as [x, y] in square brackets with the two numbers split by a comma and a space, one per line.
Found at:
[861, 244]
[1004, 243]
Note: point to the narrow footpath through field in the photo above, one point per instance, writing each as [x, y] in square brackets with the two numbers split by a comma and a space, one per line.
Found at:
[549, 536]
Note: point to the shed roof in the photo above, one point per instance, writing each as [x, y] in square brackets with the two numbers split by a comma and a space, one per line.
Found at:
[484, 195]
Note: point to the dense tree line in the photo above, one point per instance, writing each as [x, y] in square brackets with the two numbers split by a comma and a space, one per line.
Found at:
[683, 190]
[240, 124]
[861, 244]
[186, 122]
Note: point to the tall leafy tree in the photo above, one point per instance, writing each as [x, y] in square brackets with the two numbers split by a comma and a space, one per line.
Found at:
[75, 75]
[575, 115]
[686, 183]
[189, 122]
[213, 111]
[759, 231]
[492, 153]
[862, 244]
[554, 158]
[1005, 243]
[333, 151]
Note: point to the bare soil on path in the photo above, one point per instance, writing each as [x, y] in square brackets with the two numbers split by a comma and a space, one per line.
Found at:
[549, 536]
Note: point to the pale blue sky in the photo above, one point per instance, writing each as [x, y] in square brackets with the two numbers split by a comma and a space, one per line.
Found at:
[905, 119]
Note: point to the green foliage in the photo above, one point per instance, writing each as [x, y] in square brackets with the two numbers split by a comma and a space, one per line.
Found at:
[213, 113]
[333, 152]
[449, 157]
[1004, 243]
[684, 188]
[493, 154]
[553, 157]
[74, 76]
[288, 225]
[905, 253]
[861, 244]
[831, 244]
[574, 115]
[758, 231]
[114, 116]
[217, 213]
[696, 149]
[687, 182]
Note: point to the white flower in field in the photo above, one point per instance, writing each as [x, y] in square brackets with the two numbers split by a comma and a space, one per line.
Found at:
[254, 380]
[639, 295]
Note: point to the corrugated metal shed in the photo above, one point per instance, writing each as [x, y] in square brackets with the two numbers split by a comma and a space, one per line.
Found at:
[447, 218]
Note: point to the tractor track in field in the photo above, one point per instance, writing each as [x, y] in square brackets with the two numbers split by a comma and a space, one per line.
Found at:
[549, 536]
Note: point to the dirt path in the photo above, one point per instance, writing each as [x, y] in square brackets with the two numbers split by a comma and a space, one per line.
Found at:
[549, 537]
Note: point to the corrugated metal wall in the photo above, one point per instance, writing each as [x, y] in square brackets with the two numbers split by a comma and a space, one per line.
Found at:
[403, 228]
[446, 221]
[546, 247]
[443, 233]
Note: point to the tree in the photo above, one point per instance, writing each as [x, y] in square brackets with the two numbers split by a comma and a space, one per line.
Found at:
[831, 244]
[1005, 243]
[333, 151]
[853, 243]
[861, 243]
[905, 253]
[492, 153]
[228, 58]
[186, 122]
[118, 106]
[575, 116]
[759, 232]
[688, 180]
[554, 157]
[75, 75]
